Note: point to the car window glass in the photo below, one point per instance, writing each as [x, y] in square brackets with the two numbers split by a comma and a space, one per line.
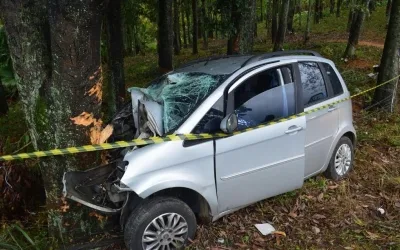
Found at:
[314, 89]
[265, 97]
[334, 79]
[211, 121]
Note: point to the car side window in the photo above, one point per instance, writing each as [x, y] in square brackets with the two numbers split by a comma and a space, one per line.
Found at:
[334, 79]
[265, 97]
[211, 121]
[314, 87]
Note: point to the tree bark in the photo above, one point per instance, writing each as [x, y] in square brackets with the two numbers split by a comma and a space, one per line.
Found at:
[388, 7]
[204, 23]
[385, 97]
[307, 32]
[188, 21]
[261, 11]
[165, 35]
[274, 23]
[332, 7]
[185, 35]
[243, 17]
[55, 49]
[352, 14]
[280, 38]
[291, 15]
[355, 30]
[195, 28]
[177, 32]
[116, 82]
[338, 6]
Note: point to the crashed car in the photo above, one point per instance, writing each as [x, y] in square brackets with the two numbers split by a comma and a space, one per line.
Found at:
[160, 191]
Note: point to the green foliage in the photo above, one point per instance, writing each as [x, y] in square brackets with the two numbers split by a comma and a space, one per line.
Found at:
[14, 237]
[6, 69]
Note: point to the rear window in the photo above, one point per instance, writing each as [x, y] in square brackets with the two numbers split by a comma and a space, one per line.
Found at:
[314, 89]
[335, 82]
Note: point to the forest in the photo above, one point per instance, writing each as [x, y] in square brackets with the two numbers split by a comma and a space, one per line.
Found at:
[65, 71]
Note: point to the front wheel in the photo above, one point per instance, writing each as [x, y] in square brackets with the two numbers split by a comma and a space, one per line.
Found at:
[342, 160]
[160, 223]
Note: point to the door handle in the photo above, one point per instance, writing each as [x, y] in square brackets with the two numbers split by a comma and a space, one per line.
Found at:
[293, 129]
[332, 108]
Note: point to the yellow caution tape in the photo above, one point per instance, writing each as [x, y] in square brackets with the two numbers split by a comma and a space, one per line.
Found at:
[174, 137]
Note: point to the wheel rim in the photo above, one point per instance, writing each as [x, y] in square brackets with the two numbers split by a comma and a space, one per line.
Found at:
[343, 159]
[167, 231]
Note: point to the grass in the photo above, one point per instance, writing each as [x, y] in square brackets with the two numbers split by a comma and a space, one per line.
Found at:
[345, 212]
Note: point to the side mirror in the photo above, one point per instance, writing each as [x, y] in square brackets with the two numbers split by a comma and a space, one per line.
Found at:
[229, 123]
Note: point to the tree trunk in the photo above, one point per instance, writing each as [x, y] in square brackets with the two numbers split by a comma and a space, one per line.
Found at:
[388, 7]
[204, 23]
[116, 82]
[385, 97]
[321, 9]
[274, 23]
[55, 49]
[177, 32]
[338, 6]
[316, 11]
[3, 100]
[280, 38]
[352, 14]
[188, 21]
[332, 6]
[261, 11]
[165, 35]
[355, 30]
[291, 15]
[185, 35]
[307, 32]
[268, 15]
[195, 28]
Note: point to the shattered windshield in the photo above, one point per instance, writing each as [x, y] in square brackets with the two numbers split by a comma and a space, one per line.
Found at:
[179, 94]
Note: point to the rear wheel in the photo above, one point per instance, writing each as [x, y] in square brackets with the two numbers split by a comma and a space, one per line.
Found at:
[160, 223]
[342, 160]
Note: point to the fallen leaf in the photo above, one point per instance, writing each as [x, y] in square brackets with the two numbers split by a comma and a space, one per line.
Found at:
[320, 197]
[316, 230]
[372, 236]
[333, 186]
[397, 204]
[292, 214]
[279, 233]
[318, 216]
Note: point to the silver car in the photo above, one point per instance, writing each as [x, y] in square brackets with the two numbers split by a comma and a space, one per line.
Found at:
[161, 190]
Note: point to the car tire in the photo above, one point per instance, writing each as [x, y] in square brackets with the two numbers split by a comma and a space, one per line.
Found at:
[342, 160]
[169, 215]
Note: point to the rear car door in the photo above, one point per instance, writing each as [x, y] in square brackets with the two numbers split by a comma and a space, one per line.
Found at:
[322, 124]
[263, 161]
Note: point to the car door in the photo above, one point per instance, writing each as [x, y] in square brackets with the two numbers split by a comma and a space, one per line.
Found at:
[322, 125]
[262, 161]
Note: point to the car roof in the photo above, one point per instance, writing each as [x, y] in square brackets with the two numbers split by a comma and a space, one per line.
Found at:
[226, 65]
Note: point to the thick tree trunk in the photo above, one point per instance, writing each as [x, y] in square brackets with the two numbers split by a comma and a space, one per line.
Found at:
[352, 13]
[385, 97]
[59, 79]
[165, 35]
[185, 35]
[177, 31]
[195, 28]
[332, 7]
[274, 23]
[355, 30]
[338, 6]
[307, 32]
[116, 82]
[283, 16]
[204, 23]
[243, 18]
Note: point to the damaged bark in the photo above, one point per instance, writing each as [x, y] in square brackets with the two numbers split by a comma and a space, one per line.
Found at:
[55, 49]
